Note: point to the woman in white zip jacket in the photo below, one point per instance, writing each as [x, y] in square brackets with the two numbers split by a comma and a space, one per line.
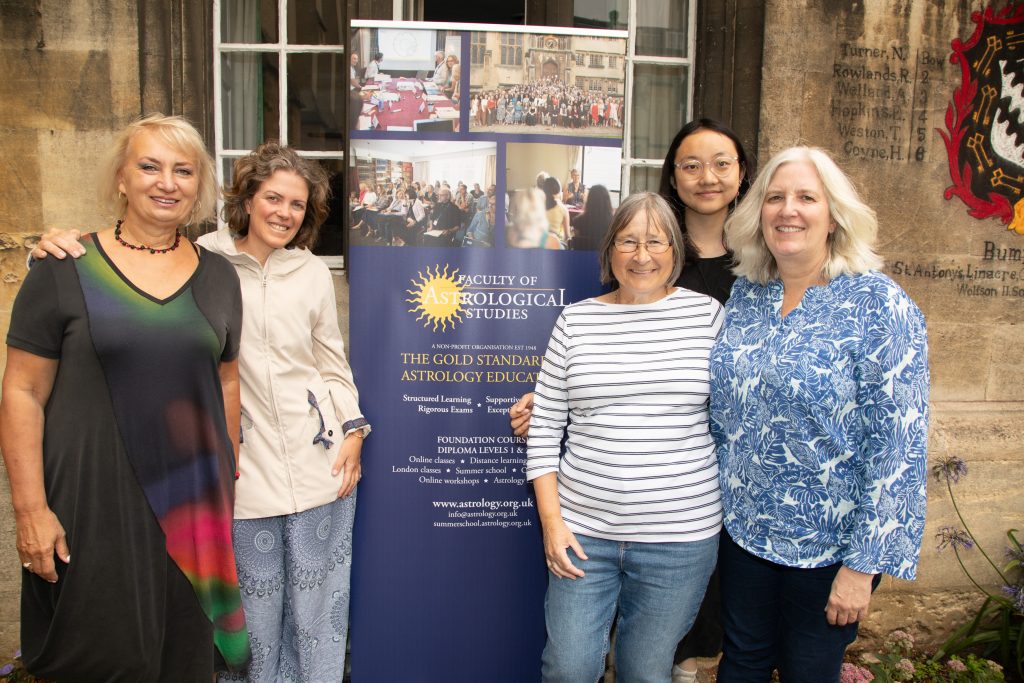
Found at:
[302, 429]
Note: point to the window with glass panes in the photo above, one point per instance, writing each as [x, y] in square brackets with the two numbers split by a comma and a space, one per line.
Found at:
[659, 66]
[281, 73]
[511, 48]
[477, 47]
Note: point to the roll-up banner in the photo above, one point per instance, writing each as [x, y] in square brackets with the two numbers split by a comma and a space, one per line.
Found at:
[474, 151]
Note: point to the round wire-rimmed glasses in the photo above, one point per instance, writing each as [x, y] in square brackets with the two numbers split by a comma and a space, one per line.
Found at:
[721, 165]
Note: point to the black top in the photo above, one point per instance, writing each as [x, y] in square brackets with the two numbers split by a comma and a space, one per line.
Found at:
[711, 276]
[136, 460]
[446, 216]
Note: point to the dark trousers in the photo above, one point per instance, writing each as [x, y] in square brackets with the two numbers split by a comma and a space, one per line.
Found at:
[774, 617]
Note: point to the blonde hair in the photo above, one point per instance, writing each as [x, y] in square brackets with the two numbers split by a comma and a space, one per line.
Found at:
[659, 215]
[851, 246]
[180, 135]
[529, 224]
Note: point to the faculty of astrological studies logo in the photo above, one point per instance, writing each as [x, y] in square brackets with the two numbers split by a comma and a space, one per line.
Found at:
[984, 133]
[437, 298]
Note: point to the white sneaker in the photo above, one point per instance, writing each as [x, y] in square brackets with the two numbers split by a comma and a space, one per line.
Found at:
[681, 676]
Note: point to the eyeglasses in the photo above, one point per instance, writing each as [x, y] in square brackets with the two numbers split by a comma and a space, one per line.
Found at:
[720, 165]
[628, 246]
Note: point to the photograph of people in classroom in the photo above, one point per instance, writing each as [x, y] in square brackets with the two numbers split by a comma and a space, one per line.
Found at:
[561, 196]
[404, 79]
[424, 194]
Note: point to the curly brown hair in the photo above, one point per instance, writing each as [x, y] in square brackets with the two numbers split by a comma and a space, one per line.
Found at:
[255, 168]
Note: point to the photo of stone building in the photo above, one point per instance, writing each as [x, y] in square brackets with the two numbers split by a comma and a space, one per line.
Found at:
[557, 84]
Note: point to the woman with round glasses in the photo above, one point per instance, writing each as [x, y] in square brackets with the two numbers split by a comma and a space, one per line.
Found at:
[630, 506]
[705, 173]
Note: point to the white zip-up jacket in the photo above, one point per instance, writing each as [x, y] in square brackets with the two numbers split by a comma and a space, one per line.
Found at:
[290, 346]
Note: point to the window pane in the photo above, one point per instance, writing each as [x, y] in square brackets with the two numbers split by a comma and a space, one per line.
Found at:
[317, 90]
[661, 110]
[228, 164]
[601, 14]
[315, 22]
[249, 83]
[331, 232]
[661, 27]
[644, 178]
[477, 48]
[511, 49]
[248, 21]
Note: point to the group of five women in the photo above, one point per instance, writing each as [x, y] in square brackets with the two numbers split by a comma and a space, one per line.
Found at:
[129, 372]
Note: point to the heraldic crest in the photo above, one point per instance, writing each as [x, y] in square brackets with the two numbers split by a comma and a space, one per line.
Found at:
[984, 133]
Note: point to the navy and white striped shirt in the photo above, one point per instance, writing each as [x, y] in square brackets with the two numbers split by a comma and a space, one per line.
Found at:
[631, 382]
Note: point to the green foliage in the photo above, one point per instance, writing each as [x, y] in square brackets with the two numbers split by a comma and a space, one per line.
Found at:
[900, 662]
[997, 629]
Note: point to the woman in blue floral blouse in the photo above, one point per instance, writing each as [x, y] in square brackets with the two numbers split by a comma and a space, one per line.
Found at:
[819, 406]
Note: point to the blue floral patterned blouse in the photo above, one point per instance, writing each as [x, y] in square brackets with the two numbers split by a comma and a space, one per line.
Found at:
[821, 422]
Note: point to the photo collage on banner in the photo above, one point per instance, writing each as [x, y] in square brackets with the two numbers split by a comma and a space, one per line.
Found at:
[484, 164]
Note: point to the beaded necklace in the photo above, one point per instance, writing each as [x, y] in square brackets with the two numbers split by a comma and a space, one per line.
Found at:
[143, 247]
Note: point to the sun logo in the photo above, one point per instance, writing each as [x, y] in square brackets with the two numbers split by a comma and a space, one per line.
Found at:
[437, 297]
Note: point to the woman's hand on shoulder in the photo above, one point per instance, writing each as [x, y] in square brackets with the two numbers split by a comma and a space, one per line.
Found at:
[850, 596]
[40, 535]
[557, 541]
[348, 464]
[59, 243]
[519, 415]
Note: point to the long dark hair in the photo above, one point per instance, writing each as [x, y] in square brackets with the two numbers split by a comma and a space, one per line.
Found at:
[591, 225]
[552, 189]
[666, 188]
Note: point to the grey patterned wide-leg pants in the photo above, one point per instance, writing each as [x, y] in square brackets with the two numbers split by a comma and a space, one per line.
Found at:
[294, 574]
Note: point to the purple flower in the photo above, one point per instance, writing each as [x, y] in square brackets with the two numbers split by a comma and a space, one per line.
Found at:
[956, 665]
[951, 536]
[1016, 594]
[950, 469]
[6, 669]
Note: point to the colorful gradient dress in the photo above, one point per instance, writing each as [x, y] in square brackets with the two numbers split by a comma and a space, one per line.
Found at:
[139, 470]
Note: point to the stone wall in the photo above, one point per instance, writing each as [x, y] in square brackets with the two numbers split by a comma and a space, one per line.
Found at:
[871, 83]
[71, 80]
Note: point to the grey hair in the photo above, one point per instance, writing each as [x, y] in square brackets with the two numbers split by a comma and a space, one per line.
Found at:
[658, 214]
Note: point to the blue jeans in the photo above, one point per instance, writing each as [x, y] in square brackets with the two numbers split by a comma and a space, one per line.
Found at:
[774, 617]
[656, 589]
